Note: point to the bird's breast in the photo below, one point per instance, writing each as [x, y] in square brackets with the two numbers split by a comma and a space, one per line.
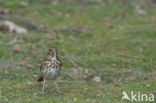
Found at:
[51, 73]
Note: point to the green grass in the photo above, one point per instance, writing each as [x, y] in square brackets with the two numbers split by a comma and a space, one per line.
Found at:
[117, 45]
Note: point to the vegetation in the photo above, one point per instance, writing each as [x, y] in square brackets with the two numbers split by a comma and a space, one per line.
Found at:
[114, 42]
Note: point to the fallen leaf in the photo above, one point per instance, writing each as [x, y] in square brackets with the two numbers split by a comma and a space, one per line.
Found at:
[85, 73]
[35, 76]
[95, 101]
[75, 99]
[118, 84]
[6, 72]
[16, 49]
[87, 100]
[141, 12]
[25, 64]
[67, 15]
[14, 41]
[97, 79]
[77, 71]
[29, 66]
[30, 83]
[147, 85]
[5, 11]
[35, 94]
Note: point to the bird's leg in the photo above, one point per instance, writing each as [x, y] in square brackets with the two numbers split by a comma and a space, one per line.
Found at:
[57, 88]
[43, 86]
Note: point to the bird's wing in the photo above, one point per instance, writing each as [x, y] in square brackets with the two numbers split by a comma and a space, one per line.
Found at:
[43, 64]
[59, 64]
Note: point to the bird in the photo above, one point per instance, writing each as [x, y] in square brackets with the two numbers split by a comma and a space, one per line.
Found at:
[50, 68]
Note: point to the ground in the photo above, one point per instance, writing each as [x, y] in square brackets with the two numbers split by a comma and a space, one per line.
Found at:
[114, 42]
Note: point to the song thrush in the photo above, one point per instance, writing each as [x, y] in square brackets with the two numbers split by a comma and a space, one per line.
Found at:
[50, 68]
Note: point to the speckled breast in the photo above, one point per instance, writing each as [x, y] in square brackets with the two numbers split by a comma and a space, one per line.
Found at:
[51, 74]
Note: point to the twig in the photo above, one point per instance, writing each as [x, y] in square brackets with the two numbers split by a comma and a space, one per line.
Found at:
[122, 39]
[36, 27]
[76, 65]
[131, 56]
[68, 29]
[25, 22]
[119, 39]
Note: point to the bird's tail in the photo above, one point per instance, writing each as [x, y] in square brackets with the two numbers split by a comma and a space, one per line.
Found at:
[40, 79]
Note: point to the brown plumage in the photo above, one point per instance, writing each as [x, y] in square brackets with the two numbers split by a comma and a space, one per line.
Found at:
[50, 67]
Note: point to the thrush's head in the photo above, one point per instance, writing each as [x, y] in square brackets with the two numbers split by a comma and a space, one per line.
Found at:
[53, 51]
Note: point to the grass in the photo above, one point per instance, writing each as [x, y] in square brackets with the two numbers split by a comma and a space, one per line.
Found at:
[117, 44]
